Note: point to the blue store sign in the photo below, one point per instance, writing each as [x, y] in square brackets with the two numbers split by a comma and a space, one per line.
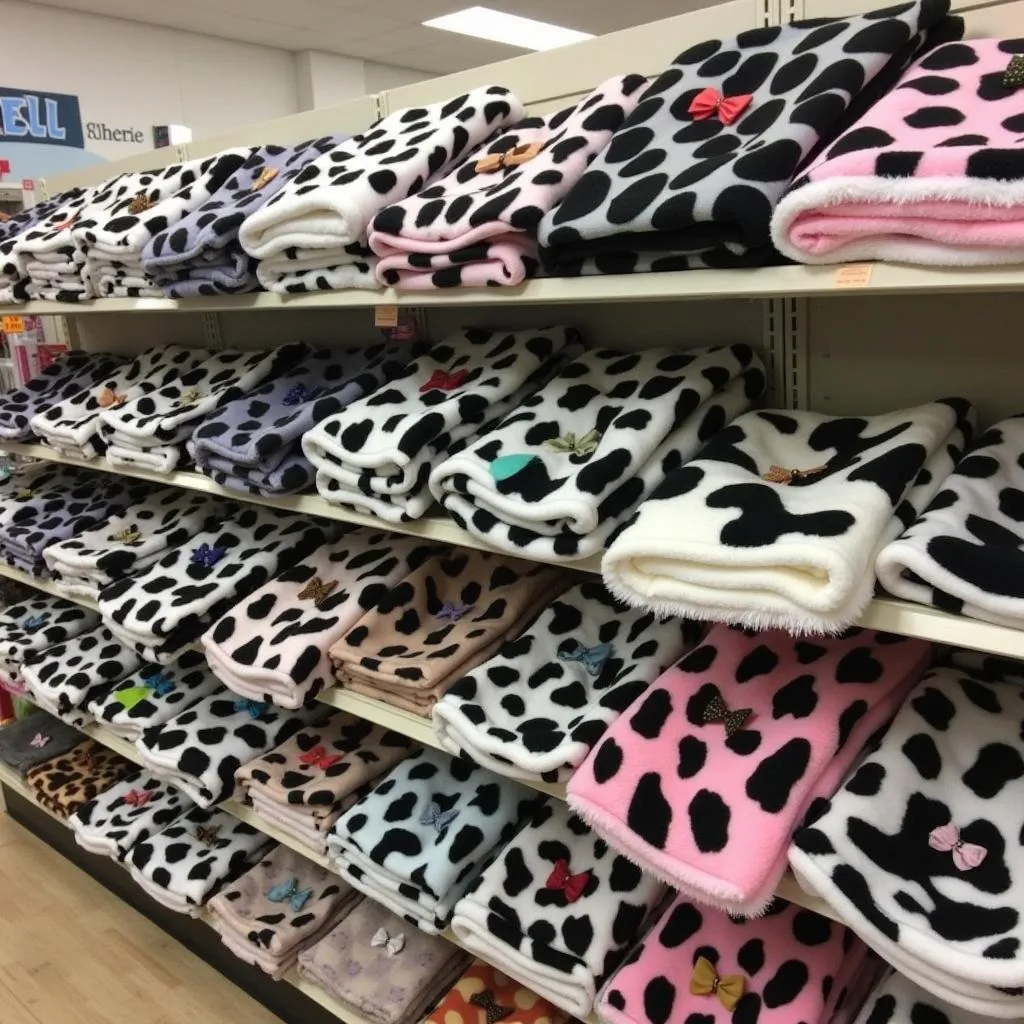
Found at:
[51, 118]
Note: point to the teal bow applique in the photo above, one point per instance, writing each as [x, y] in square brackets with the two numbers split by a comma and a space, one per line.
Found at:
[592, 658]
[34, 622]
[289, 892]
[254, 708]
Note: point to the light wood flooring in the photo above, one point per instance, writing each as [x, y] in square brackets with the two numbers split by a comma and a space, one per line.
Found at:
[72, 953]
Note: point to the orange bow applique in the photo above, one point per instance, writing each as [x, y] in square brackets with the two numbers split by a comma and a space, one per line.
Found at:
[64, 225]
[109, 398]
[572, 885]
[441, 381]
[267, 175]
[513, 157]
[709, 102]
[781, 475]
[319, 758]
[706, 981]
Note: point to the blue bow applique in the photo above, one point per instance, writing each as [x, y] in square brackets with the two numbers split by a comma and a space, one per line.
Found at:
[290, 892]
[34, 622]
[206, 556]
[592, 658]
[433, 815]
[255, 708]
[300, 393]
[159, 683]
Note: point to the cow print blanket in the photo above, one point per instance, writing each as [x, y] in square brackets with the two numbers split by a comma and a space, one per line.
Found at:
[693, 175]
[311, 236]
[558, 909]
[785, 512]
[29, 741]
[704, 779]
[33, 625]
[536, 708]
[897, 1000]
[566, 466]
[920, 851]
[931, 174]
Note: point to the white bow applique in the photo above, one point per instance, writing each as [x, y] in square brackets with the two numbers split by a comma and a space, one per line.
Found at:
[393, 944]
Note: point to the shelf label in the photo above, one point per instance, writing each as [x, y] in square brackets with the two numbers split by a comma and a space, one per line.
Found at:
[12, 324]
[385, 316]
[854, 275]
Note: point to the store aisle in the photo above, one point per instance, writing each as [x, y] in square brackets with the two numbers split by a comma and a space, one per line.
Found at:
[72, 952]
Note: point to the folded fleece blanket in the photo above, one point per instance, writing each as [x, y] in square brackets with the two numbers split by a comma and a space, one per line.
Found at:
[476, 226]
[378, 453]
[130, 542]
[566, 466]
[253, 444]
[416, 841]
[920, 851]
[279, 907]
[785, 512]
[154, 695]
[65, 783]
[557, 909]
[190, 860]
[442, 620]
[274, 645]
[200, 254]
[129, 812]
[480, 986]
[897, 1000]
[698, 963]
[931, 174]
[963, 554]
[34, 739]
[703, 781]
[168, 606]
[148, 432]
[311, 236]
[583, 663]
[380, 969]
[692, 176]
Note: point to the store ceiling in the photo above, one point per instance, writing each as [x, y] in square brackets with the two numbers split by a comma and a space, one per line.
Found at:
[387, 31]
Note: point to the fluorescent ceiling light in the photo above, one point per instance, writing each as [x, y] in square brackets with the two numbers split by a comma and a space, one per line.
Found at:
[483, 23]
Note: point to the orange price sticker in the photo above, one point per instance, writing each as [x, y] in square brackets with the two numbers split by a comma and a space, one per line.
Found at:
[854, 275]
[13, 324]
[385, 316]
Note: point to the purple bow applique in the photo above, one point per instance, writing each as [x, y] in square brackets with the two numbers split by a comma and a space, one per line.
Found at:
[299, 394]
[452, 611]
[207, 556]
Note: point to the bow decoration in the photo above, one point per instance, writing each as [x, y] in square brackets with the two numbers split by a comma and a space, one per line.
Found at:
[140, 204]
[299, 394]
[254, 708]
[319, 758]
[391, 944]
[570, 444]
[65, 224]
[157, 684]
[318, 590]
[39, 741]
[208, 835]
[561, 878]
[433, 815]
[592, 658]
[267, 175]
[716, 711]
[493, 1011]
[24, 494]
[189, 397]
[452, 611]
[706, 981]
[710, 102]
[1013, 76]
[207, 556]
[35, 622]
[129, 535]
[138, 797]
[442, 381]
[780, 475]
[512, 157]
[110, 399]
[946, 839]
[289, 892]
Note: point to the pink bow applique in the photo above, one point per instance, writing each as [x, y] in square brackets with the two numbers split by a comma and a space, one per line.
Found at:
[709, 102]
[138, 797]
[441, 381]
[946, 838]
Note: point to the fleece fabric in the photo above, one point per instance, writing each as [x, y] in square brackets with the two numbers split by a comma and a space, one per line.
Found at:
[420, 837]
[583, 663]
[785, 512]
[34, 739]
[311, 236]
[930, 174]
[440, 621]
[558, 909]
[919, 852]
[378, 453]
[897, 1000]
[477, 226]
[566, 466]
[481, 984]
[31, 626]
[704, 780]
[65, 783]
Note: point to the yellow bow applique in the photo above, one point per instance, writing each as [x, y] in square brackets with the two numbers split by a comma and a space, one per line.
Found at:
[267, 175]
[129, 535]
[190, 397]
[706, 981]
[570, 444]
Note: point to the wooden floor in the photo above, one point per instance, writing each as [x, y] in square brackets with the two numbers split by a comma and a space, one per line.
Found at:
[73, 953]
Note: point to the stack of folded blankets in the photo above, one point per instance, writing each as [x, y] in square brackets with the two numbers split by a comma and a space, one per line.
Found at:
[377, 454]
[557, 909]
[382, 970]
[200, 254]
[184, 865]
[30, 741]
[897, 1000]
[279, 907]
[785, 512]
[311, 236]
[673, 784]
[128, 813]
[477, 226]
[150, 431]
[66, 782]
[481, 986]
[166, 607]
[569, 464]
[417, 841]
[303, 786]
[274, 645]
[920, 851]
[535, 709]
[439, 622]
[253, 444]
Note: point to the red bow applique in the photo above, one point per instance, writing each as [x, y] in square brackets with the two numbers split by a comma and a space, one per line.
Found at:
[709, 102]
[441, 381]
[571, 885]
[319, 758]
[138, 797]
